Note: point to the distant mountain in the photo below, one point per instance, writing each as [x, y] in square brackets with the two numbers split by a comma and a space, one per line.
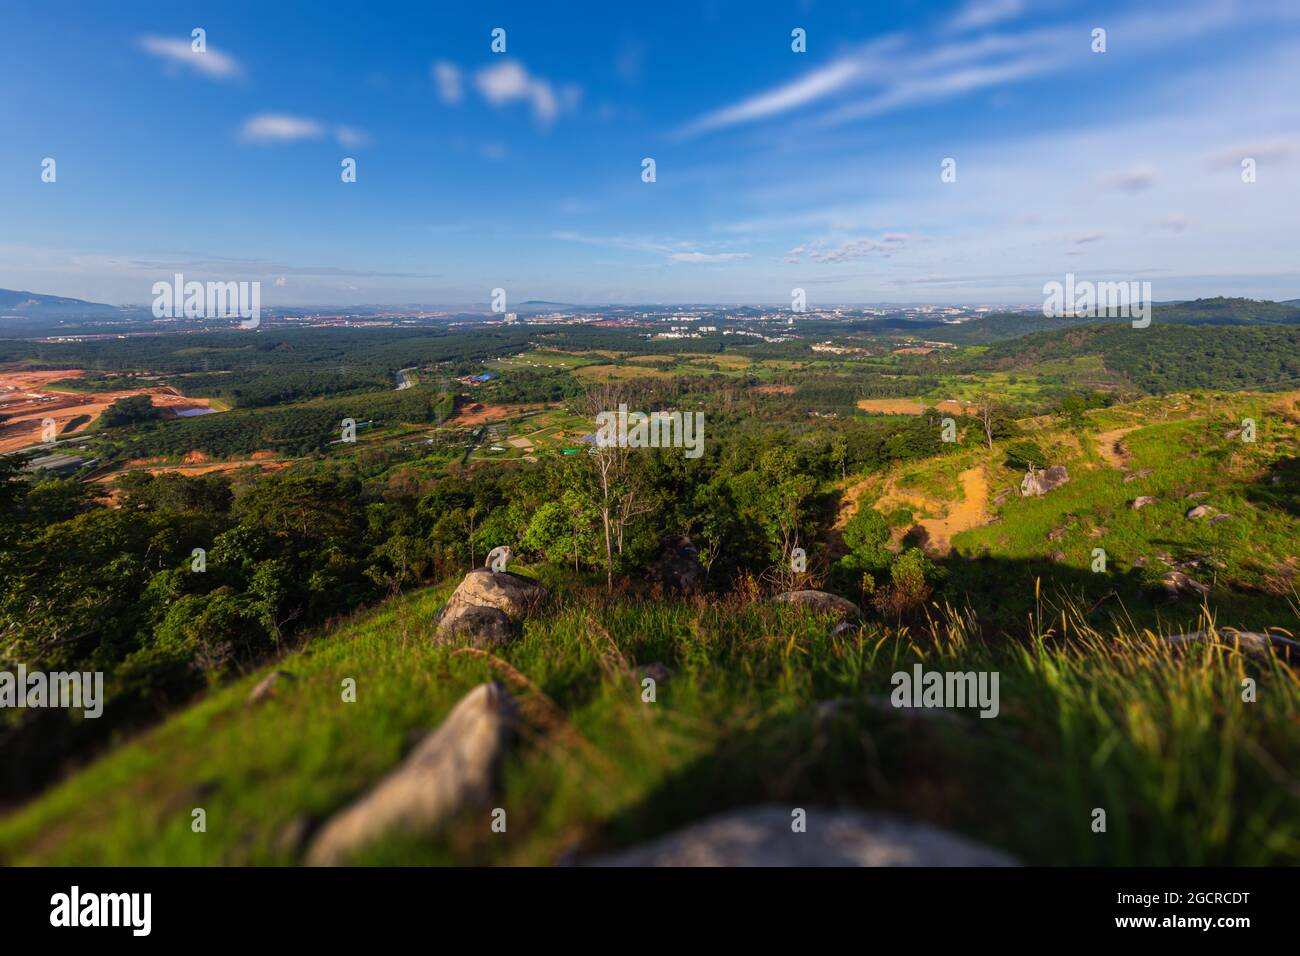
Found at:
[29, 303]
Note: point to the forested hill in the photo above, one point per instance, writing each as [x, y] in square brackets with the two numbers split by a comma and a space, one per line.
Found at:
[1216, 311]
[1165, 358]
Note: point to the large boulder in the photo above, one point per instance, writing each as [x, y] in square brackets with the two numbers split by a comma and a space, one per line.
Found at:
[484, 627]
[1037, 483]
[823, 602]
[453, 768]
[677, 567]
[513, 594]
[764, 836]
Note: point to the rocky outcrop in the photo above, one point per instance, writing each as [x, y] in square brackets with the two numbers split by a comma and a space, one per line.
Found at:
[452, 769]
[486, 606]
[823, 602]
[677, 566]
[1177, 584]
[1037, 483]
[764, 836]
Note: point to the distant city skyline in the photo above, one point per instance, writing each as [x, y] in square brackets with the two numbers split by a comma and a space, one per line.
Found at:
[774, 169]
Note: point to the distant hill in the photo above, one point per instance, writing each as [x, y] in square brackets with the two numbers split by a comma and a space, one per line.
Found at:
[29, 303]
[1216, 311]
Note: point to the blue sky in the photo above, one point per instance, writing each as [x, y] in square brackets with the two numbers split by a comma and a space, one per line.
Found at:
[774, 169]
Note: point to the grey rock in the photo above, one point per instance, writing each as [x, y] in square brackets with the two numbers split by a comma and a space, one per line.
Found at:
[513, 594]
[266, 686]
[1198, 495]
[1200, 511]
[1178, 584]
[483, 627]
[1218, 519]
[454, 768]
[1141, 502]
[1037, 483]
[763, 836]
[1135, 475]
[1057, 556]
[657, 672]
[677, 566]
[1255, 643]
[822, 602]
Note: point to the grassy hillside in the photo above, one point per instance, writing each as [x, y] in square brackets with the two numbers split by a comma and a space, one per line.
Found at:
[764, 705]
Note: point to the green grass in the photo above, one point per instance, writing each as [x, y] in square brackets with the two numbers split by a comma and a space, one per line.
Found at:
[1250, 560]
[764, 705]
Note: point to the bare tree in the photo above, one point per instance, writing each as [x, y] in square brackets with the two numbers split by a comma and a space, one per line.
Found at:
[620, 493]
[986, 414]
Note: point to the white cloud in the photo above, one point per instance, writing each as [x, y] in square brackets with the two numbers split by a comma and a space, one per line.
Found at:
[813, 86]
[350, 136]
[279, 128]
[708, 256]
[848, 249]
[269, 128]
[509, 82]
[447, 76]
[903, 70]
[977, 14]
[1131, 180]
[1279, 150]
[179, 53]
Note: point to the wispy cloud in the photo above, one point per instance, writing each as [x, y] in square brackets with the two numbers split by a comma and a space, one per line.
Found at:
[670, 250]
[447, 78]
[977, 14]
[848, 250]
[1131, 180]
[898, 71]
[708, 256]
[267, 129]
[177, 53]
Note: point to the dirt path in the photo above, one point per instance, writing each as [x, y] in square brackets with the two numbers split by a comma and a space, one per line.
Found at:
[970, 512]
[1106, 446]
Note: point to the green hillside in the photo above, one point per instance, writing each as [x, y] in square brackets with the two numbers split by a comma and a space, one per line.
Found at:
[765, 703]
